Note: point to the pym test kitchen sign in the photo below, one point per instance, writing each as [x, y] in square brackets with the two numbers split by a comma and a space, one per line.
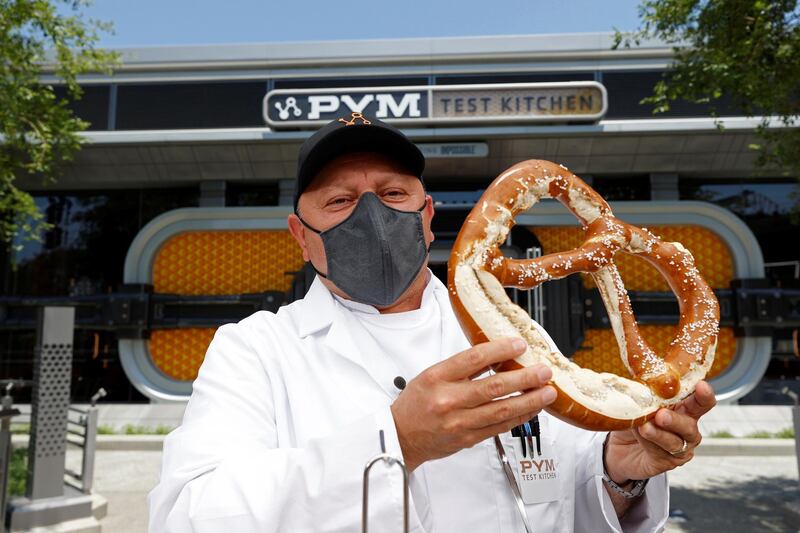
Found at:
[584, 101]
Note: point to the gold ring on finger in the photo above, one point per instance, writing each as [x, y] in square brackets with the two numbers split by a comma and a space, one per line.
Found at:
[683, 451]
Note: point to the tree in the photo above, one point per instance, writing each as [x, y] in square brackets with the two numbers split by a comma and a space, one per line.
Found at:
[747, 50]
[39, 131]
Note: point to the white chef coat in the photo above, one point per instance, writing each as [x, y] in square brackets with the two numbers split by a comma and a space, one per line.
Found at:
[412, 340]
[286, 412]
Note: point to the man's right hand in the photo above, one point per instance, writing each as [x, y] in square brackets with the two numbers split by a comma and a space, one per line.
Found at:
[444, 410]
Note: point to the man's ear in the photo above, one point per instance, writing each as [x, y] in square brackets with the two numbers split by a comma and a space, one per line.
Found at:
[429, 208]
[429, 212]
[298, 231]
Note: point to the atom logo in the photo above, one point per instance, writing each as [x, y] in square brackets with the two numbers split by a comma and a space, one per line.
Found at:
[290, 104]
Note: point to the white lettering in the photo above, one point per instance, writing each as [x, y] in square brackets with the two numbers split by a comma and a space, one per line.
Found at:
[357, 107]
[321, 104]
[409, 102]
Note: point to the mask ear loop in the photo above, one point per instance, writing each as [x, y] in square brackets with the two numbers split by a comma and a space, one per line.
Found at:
[420, 210]
[315, 230]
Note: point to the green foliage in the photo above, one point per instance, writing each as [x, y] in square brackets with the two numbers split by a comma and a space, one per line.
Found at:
[130, 429]
[747, 50]
[724, 434]
[17, 471]
[38, 132]
[785, 433]
[20, 429]
[759, 435]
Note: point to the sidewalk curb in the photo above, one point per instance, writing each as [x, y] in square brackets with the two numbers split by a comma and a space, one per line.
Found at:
[709, 446]
[119, 443]
[746, 447]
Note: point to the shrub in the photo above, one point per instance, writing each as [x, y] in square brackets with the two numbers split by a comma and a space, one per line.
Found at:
[724, 434]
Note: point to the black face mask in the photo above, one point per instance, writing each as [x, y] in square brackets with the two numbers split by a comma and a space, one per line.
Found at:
[376, 253]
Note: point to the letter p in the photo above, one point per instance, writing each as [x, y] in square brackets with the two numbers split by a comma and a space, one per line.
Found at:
[322, 104]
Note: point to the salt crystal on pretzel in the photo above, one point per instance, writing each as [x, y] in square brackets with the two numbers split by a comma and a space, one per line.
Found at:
[477, 273]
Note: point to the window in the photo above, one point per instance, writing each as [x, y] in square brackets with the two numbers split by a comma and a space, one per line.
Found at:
[242, 194]
[82, 254]
[626, 90]
[84, 251]
[187, 105]
[92, 107]
[770, 208]
[622, 188]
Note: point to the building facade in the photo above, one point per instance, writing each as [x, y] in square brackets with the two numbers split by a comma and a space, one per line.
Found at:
[171, 219]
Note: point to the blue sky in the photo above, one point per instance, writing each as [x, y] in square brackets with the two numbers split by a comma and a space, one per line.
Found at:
[167, 22]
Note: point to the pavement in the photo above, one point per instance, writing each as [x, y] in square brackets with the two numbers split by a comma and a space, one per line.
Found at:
[735, 494]
[124, 478]
[712, 493]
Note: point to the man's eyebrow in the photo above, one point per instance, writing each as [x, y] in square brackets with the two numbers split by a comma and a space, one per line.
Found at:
[380, 179]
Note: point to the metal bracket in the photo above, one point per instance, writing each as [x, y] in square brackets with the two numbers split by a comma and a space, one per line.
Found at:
[760, 309]
[128, 311]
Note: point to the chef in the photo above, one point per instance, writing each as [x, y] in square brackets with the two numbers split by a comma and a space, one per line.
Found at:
[288, 407]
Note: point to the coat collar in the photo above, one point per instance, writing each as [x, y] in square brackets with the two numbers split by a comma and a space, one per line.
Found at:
[320, 311]
[317, 310]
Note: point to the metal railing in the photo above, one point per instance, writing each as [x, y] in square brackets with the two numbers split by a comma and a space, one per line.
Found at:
[82, 433]
[796, 421]
[536, 305]
[7, 412]
[778, 264]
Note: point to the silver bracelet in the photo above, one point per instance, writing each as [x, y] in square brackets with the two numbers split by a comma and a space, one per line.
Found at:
[638, 485]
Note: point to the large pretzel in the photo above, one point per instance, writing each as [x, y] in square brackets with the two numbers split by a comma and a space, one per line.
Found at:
[477, 273]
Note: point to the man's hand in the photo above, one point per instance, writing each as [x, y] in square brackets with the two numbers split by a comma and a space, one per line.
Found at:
[656, 446]
[443, 410]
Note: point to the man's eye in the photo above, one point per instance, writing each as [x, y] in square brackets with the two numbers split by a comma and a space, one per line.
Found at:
[338, 201]
[394, 194]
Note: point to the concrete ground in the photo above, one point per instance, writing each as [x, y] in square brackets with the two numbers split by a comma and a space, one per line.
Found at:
[729, 494]
[124, 478]
[734, 494]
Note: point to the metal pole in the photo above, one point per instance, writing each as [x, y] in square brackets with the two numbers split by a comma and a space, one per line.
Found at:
[52, 372]
[536, 300]
[796, 419]
[90, 443]
[6, 412]
[89, 446]
[796, 416]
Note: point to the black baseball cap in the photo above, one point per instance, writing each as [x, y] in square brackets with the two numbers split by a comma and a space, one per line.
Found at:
[356, 133]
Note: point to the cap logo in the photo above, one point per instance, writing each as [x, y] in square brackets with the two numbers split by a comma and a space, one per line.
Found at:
[355, 116]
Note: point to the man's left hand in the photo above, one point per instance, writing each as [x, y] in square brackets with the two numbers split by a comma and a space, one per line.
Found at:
[656, 446]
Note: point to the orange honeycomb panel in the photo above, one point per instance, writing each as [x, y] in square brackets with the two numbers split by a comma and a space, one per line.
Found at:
[600, 352]
[178, 353]
[215, 262]
[226, 262]
[711, 255]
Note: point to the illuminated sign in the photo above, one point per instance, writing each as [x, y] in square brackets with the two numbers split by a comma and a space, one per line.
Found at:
[585, 101]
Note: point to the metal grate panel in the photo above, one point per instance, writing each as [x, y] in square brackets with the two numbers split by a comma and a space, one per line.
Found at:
[52, 370]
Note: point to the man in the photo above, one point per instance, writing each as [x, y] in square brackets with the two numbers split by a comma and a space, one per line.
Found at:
[288, 407]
